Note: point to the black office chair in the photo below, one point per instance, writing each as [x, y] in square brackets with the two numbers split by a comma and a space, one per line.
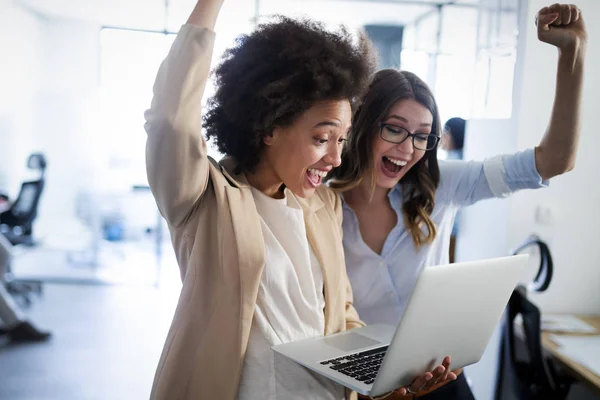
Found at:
[524, 372]
[16, 224]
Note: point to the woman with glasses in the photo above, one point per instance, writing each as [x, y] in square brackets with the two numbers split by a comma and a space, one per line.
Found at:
[399, 202]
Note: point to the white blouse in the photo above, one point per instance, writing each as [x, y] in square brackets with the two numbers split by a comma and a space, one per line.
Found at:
[289, 306]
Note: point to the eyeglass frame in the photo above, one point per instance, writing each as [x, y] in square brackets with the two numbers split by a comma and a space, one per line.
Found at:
[409, 135]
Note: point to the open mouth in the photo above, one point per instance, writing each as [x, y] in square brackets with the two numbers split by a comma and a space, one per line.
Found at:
[315, 176]
[392, 166]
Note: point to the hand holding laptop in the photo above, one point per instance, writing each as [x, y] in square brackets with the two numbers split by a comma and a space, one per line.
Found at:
[439, 375]
[428, 381]
[378, 359]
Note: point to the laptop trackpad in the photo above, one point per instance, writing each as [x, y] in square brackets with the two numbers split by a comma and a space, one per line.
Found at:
[350, 341]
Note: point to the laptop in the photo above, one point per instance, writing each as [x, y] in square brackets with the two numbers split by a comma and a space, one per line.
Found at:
[453, 311]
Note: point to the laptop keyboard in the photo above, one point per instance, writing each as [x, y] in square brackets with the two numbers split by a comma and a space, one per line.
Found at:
[361, 366]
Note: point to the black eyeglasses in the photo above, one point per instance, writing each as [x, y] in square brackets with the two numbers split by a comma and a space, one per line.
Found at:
[395, 134]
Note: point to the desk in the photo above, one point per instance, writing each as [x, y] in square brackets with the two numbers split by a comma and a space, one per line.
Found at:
[577, 370]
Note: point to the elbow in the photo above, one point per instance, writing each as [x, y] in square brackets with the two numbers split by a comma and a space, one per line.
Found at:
[567, 165]
[570, 167]
[159, 123]
[557, 169]
[551, 163]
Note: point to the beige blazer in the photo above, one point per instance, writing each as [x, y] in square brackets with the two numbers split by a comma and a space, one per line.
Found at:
[217, 237]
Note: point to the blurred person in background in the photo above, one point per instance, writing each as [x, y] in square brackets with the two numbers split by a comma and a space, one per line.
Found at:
[453, 138]
[13, 323]
[453, 141]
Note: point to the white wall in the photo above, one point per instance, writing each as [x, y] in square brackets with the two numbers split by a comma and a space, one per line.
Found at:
[574, 198]
[70, 82]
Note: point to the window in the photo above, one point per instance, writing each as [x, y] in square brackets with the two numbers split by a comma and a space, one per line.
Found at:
[129, 61]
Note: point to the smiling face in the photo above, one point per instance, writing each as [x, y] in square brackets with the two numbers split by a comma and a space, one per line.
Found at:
[392, 161]
[301, 154]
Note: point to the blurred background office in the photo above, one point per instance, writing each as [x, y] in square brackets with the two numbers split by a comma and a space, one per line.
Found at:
[97, 268]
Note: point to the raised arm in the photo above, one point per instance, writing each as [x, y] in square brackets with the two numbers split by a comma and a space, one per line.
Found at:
[176, 156]
[563, 27]
[205, 13]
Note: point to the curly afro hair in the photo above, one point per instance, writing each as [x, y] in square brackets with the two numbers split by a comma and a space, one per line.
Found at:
[274, 74]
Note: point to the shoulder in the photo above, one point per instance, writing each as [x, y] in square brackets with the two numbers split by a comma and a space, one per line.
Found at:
[331, 200]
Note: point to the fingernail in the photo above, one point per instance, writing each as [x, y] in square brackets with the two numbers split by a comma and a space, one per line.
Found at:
[428, 378]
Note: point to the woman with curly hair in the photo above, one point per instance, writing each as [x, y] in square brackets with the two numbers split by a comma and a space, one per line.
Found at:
[400, 203]
[257, 237]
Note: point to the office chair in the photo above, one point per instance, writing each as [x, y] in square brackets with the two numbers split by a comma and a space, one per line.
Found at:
[16, 224]
[523, 369]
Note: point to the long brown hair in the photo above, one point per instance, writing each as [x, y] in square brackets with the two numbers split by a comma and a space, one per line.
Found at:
[421, 181]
